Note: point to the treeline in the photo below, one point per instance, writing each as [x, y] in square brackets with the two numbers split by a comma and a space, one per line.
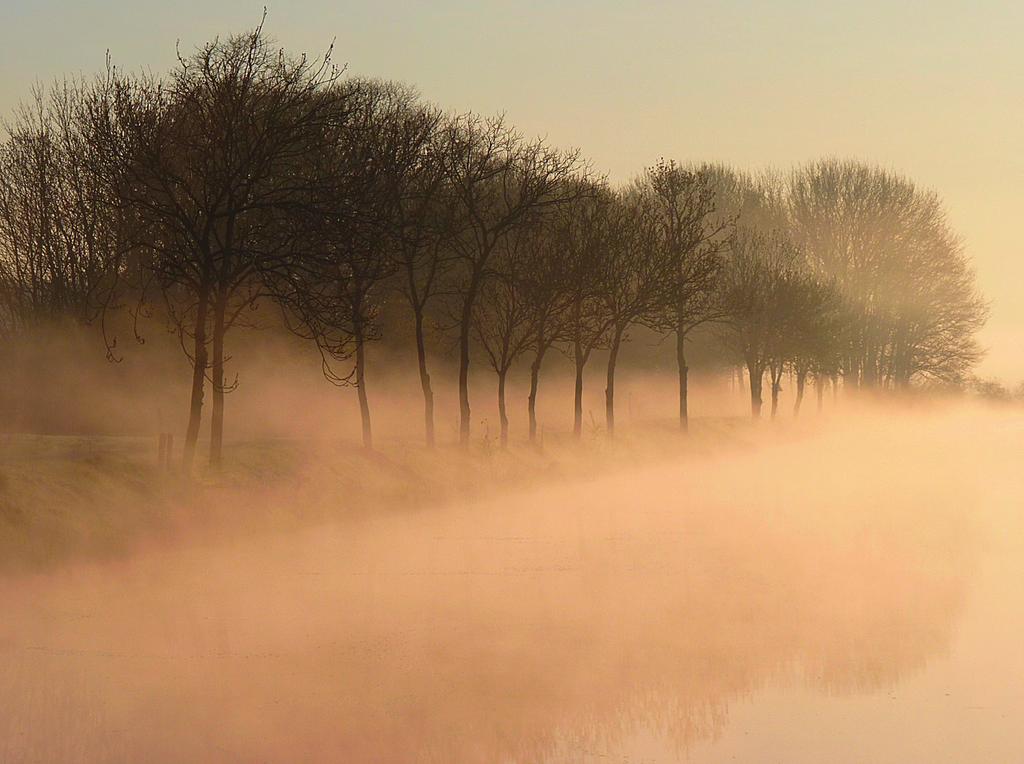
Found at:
[248, 177]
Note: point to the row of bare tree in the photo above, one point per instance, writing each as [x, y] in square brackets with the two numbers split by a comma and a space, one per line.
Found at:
[247, 177]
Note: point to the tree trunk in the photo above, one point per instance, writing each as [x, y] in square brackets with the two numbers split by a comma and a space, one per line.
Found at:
[217, 414]
[609, 390]
[198, 383]
[502, 411]
[364, 404]
[684, 372]
[465, 325]
[776, 377]
[756, 381]
[428, 392]
[577, 420]
[534, 383]
[870, 367]
[801, 381]
[819, 388]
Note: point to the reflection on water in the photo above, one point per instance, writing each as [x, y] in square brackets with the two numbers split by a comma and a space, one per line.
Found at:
[631, 616]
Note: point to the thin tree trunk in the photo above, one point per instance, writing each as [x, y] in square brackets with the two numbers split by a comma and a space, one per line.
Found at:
[801, 380]
[756, 381]
[577, 420]
[198, 383]
[776, 376]
[428, 392]
[534, 384]
[609, 390]
[465, 326]
[870, 368]
[684, 372]
[364, 404]
[217, 414]
[819, 388]
[502, 411]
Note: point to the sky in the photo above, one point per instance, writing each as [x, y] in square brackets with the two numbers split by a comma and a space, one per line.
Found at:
[933, 90]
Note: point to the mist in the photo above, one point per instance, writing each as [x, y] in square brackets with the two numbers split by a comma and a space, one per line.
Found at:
[340, 425]
[648, 598]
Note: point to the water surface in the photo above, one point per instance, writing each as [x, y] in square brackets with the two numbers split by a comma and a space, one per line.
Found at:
[852, 595]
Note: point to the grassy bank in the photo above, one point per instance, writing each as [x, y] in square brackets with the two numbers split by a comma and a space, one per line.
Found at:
[69, 496]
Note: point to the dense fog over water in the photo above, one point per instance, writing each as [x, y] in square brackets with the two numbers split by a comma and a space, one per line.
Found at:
[780, 593]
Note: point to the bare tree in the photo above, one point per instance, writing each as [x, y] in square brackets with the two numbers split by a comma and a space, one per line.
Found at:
[423, 210]
[587, 319]
[753, 294]
[501, 318]
[60, 244]
[817, 327]
[888, 247]
[204, 160]
[547, 283]
[804, 315]
[498, 179]
[635, 275]
[354, 235]
[692, 237]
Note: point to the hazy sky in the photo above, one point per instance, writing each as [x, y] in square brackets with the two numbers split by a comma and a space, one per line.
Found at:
[932, 89]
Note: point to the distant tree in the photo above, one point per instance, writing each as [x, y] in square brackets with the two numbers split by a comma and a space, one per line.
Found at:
[637, 275]
[754, 286]
[692, 236]
[587, 318]
[887, 246]
[936, 317]
[423, 224]
[805, 317]
[60, 244]
[990, 390]
[359, 230]
[498, 181]
[817, 331]
[501, 319]
[202, 161]
[550, 281]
